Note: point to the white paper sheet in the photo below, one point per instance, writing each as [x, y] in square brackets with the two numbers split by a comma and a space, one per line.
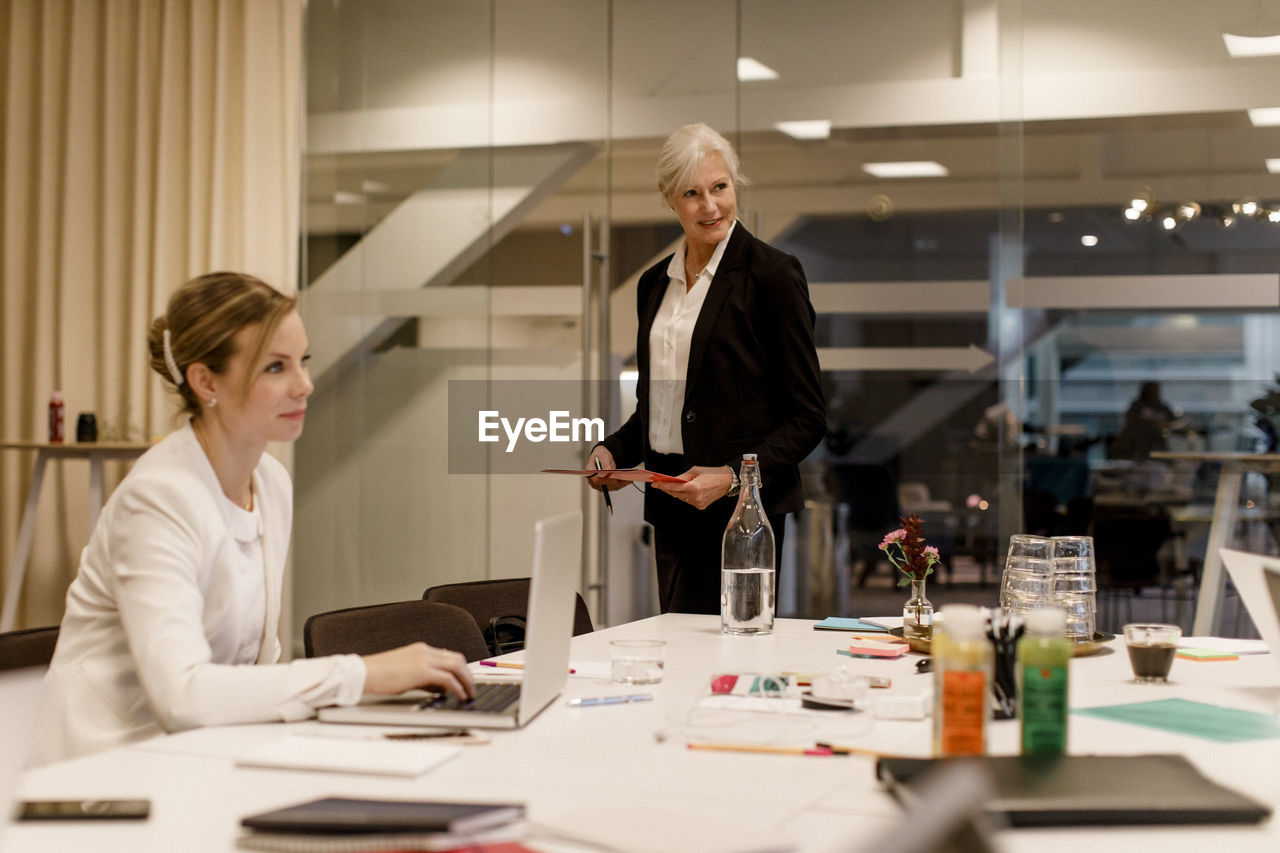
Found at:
[344, 755]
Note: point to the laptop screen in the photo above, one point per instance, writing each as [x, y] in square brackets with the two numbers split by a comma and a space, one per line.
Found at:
[1253, 576]
[557, 559]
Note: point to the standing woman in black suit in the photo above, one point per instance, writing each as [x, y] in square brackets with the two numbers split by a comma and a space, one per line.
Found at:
[727, 366]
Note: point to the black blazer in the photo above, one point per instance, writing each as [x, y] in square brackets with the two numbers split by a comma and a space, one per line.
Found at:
[752, 384]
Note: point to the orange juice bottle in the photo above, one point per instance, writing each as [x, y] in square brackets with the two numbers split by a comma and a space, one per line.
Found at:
[963, 666]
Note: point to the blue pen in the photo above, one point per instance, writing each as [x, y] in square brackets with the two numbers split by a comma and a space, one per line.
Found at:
[611, 700]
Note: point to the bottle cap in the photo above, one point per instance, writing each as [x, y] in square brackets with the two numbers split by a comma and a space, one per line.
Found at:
[962, 620]
[748, 457]
[55, 397]
[1047, 622]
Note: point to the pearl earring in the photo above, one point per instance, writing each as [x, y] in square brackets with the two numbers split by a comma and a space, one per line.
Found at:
[213, 401]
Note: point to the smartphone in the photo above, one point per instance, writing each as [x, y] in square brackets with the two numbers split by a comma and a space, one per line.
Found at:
[84, 810]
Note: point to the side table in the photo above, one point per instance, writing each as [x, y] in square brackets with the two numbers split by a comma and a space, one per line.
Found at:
[95, 452]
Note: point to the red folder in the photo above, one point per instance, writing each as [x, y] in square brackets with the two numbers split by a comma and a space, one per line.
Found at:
[638, 475]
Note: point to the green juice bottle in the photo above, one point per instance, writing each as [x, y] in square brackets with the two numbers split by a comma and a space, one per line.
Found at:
[1044, 656]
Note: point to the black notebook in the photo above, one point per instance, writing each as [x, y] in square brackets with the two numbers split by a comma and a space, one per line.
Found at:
[342, 815]
[1090, 790]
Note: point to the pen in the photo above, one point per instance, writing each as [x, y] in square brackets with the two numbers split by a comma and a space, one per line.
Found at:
[608, 501]
[836, 749]
[611, 700]
[506, 664]
[818, 749]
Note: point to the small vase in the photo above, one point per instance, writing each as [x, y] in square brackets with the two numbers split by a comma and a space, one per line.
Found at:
[917, 613]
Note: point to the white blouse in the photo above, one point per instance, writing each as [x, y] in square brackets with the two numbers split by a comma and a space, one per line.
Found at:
[248, 578]
[669, 340]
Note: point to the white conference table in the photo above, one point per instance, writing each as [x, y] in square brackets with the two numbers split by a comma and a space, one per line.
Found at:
[586, 770]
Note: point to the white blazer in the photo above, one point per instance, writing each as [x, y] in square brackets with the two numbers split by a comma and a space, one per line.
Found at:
[151, 625]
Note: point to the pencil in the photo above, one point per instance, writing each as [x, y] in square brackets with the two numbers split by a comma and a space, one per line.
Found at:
[776, 750]
[505, 664]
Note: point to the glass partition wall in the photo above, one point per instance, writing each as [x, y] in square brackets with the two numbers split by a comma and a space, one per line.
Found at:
[1041, 245]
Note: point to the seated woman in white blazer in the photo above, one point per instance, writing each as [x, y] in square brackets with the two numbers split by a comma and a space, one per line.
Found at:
[178, 593]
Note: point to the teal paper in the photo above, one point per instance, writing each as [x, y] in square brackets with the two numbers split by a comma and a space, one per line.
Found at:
[849, 623]
[1198, 719]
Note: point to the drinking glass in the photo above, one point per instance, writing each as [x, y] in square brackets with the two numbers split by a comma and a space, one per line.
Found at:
[1151, 650]
[637, 661]
[1075, 584]
[1028, 573]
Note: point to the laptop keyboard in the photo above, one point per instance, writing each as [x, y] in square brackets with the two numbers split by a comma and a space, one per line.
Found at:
[491, 697]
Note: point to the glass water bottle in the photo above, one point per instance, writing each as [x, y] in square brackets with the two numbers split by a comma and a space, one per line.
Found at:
[747, 589]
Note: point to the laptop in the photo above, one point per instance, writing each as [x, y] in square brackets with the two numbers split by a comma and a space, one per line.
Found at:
[503, 704]
[1257, 578]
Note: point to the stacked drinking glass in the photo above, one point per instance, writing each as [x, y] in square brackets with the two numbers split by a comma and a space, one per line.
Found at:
[1027, 583]
[1058, 572]
[1075, 584]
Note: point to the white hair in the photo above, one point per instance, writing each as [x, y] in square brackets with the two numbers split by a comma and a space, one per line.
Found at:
[682, 155]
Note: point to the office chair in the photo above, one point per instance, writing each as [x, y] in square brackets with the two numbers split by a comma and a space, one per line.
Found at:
[500, 606]
[379, 627]
[28, 647]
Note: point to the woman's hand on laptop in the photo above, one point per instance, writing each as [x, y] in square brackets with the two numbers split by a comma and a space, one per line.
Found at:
[418, 665]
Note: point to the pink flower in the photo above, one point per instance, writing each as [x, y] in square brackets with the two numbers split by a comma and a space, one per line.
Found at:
[892, 537]
[931, 551]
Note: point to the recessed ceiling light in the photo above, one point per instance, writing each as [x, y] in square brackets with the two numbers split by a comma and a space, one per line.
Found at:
[347, 197]
[1239, 46]
[906, 169]
[1265, 116]
[753, 69]
[818, 128]
[1088, 240]
[1273, 165]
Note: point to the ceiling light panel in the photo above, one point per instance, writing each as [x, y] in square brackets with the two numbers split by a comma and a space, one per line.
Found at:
[753, 69]
[1265, 116]
[811, 129]
[1240, 46]
[906, 169]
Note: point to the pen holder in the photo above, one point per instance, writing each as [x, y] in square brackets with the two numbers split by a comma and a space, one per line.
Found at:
[1004, 684]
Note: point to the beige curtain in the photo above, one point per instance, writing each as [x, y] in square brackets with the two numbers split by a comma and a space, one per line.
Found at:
[141, 142]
